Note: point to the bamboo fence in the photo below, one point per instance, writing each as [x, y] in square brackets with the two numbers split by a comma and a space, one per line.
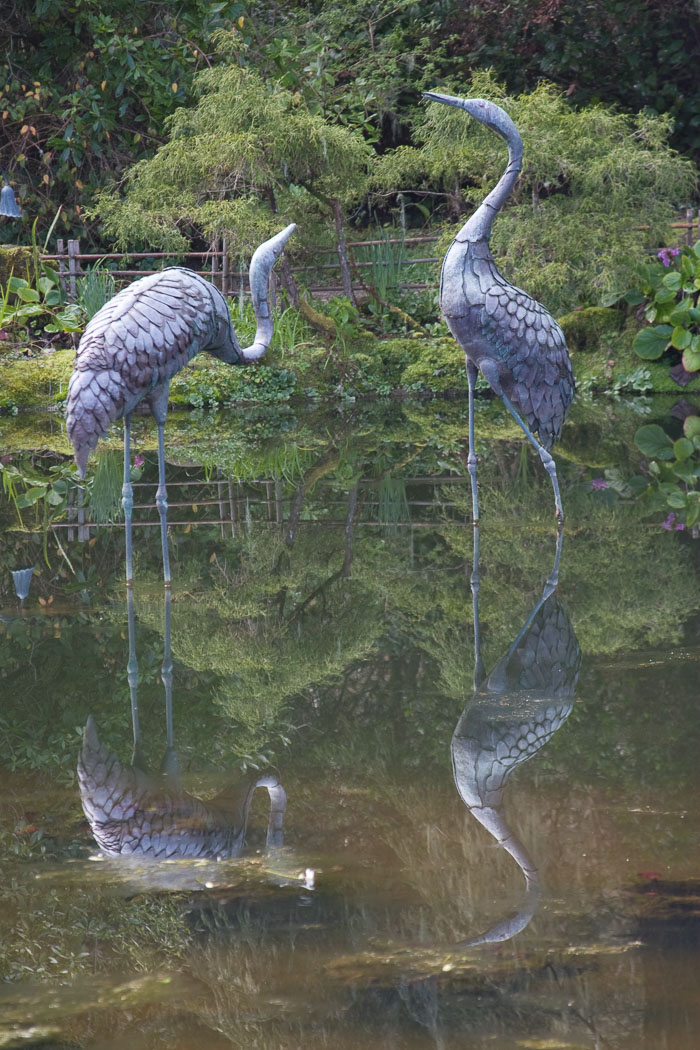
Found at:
[214, 263]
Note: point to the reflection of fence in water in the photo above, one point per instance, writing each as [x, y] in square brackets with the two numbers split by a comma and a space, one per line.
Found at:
[240, 505]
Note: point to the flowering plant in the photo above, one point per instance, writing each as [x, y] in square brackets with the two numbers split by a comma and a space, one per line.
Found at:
[671, 290]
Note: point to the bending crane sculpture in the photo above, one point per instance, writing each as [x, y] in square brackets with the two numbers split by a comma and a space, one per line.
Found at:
[509, 337]
[136, 343]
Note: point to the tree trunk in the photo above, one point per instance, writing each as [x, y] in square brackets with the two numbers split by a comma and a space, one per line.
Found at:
[324, 325]
[345, 276]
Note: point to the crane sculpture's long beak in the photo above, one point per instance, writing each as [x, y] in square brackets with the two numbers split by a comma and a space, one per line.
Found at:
[448, 100]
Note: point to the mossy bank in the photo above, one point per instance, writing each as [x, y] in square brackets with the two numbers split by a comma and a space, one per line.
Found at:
[600, 341]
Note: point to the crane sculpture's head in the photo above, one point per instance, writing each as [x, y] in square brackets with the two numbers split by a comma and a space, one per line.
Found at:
[485, 112]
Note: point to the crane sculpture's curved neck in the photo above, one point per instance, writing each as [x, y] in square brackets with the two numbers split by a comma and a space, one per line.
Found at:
[264, 258]
[478, 226]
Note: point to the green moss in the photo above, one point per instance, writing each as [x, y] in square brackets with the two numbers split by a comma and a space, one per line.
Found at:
[39, 382]
[438, 366]
[208, 382]
[584, 329]
[14, 260]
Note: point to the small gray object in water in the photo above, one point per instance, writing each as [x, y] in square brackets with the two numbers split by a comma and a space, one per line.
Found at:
[8, 204]
[22, 580]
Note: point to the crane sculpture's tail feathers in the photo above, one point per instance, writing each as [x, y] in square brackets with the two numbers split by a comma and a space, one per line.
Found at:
[95, 399]
[264, 258]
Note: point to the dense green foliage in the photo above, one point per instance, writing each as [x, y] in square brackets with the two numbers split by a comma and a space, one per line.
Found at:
[85, 89]
[567, 233]
[246, 151]
[85, 92]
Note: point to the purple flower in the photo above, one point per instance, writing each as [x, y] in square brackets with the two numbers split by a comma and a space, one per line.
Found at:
[599, 483]
[139, 460]
[672, 524]
[665, 255]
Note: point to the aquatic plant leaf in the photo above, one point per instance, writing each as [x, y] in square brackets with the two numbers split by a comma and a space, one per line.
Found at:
[654, 442]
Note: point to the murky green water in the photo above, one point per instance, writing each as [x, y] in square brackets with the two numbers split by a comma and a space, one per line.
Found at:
[424, 886]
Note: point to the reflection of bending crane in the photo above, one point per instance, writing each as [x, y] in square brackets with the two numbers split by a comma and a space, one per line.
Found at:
[132, 812]
[515, 710]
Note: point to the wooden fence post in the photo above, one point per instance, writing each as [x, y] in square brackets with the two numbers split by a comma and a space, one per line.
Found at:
[60, 250]
[214, 261]
[73, 268]
[224, 268]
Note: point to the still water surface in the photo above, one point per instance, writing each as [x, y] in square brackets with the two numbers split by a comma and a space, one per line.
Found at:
[459, 837]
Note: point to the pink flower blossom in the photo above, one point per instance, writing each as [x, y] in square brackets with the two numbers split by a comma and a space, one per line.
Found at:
[139, 460]
[672, 524]
[600, 483]
[665, 255]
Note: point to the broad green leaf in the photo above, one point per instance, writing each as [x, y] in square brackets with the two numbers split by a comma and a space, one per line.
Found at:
[672, 280]
[665, 295]
[681, 314]
[676, 500]
[638, 484]
[692, 515]
[15, 284]
[691, 426]
[691, 360]
[684, 471]
[650, 343]
[683, 448]
[680, 338]
[654, 442]
[28, 295]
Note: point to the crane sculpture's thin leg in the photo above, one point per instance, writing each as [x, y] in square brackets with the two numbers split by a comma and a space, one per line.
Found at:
[171, 766]
[475, 581]
[553, 578]
[547, 460]
[132, 673]
[472, 373]
[128, 500]
[162, 504]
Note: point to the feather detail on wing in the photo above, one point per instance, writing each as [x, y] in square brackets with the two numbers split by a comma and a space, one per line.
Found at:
[138, 340]
[530, 349]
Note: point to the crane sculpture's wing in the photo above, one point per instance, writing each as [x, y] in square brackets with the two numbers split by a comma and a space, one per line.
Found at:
[531, 349]
[139, 339]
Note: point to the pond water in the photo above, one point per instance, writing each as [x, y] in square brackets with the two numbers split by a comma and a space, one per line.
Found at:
[403, 877]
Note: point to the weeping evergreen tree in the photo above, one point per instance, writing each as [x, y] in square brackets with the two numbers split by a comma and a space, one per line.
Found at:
[590, 176]
[248, 158]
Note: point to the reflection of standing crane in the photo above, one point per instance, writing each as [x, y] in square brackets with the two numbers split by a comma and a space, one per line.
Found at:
[515, 710]
[506, 335]
[136, 343]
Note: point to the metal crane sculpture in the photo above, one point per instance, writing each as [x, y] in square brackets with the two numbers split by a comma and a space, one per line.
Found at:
[506, 335]
[515, 711]
[136, 343]
[135, 813]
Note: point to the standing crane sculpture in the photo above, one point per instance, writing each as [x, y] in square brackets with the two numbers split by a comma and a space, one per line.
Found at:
[506, 335]
[515, 711]
[136, 343]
